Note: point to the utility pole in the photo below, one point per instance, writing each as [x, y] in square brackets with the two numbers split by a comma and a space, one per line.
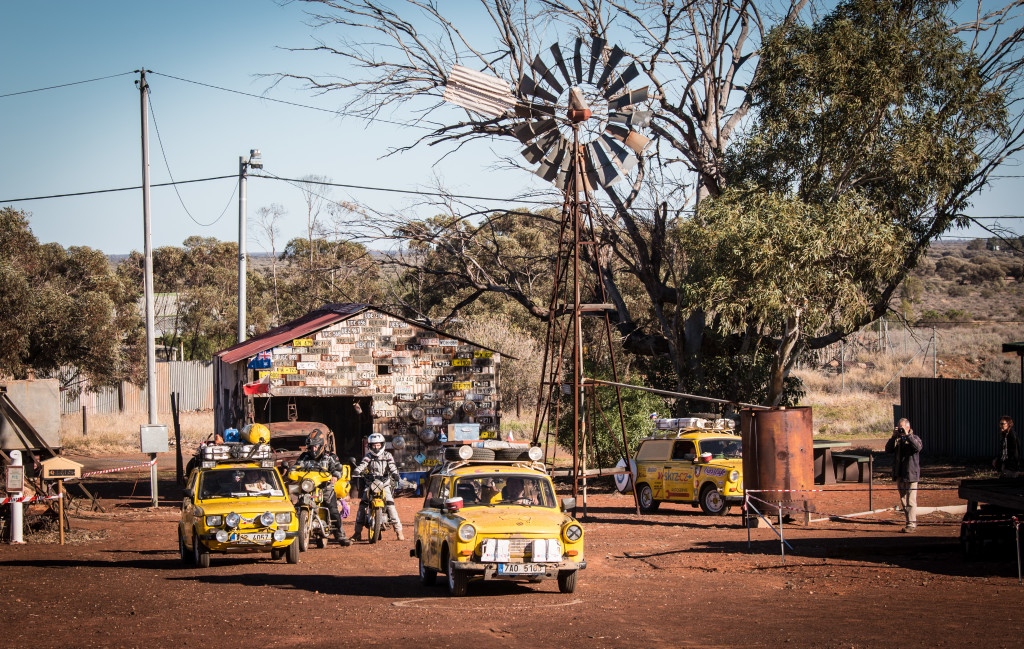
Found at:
[244, 163]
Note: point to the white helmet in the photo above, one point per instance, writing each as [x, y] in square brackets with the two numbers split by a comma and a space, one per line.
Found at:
[375, 438]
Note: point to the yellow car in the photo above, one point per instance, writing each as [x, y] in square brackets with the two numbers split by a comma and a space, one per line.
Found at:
[235, 502]
[703, 468]
[491, 519]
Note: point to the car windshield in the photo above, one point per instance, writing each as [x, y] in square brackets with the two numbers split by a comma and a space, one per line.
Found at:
[725, 448]
[239, 483]
[503, 489]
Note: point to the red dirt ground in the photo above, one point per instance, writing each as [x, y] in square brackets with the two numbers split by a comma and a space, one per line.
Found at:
[676, 578]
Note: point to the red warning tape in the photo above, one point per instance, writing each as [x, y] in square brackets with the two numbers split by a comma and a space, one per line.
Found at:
[26, 499]
[121, 468]
[875, 488]
[795, 509]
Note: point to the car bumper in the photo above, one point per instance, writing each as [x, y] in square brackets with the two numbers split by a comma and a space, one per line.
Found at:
[233, 547]
[489, 570]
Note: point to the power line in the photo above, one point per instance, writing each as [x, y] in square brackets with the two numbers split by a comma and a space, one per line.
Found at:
[107, 191]
[65, 85]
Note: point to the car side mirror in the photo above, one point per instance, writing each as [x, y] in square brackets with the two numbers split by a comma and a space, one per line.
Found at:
[453, 504]
[568, 503]
[436, 503]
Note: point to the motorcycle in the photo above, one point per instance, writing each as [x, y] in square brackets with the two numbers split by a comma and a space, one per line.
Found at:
[377, 520]
[308, 487]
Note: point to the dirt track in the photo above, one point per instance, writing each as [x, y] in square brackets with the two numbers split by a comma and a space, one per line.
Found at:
[675, 578]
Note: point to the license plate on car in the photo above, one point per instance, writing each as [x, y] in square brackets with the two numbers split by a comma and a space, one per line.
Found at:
[263, 537]
[520, 569]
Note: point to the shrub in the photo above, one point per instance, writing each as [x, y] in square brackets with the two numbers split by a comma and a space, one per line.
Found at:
[958, 290]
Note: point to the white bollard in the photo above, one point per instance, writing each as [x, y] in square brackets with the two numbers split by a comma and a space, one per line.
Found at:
[16, 521]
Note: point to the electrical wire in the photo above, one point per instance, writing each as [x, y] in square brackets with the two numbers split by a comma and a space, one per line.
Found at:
[163, 153]
[65, 85]
[117, 189]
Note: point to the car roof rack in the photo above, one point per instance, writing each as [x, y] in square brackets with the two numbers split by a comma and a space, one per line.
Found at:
[212, 455]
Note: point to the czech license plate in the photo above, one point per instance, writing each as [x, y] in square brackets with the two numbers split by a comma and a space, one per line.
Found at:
[520, 569]
[263, 537]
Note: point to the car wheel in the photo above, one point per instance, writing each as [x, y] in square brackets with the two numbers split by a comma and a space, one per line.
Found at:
[200, 553]
[646, 494]
[292, 553]
[276, 553]
[303, 540]
[712, 502]
[458, 581]
[428, 576]
[186, 555]
[567, 581]
[376, 525]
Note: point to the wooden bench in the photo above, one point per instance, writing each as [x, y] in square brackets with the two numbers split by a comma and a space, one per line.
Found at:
[853, 467]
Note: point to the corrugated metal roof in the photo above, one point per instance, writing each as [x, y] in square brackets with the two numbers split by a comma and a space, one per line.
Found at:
[326, 315]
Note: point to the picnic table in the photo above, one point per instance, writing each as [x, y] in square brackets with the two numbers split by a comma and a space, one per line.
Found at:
[824, 465]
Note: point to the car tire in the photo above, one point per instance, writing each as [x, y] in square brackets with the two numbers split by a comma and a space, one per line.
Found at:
[183, 551]
[567, 581]
[645, 496]
[452, 454]
[376, 525]
[200, 553]
[458, 581]
[712, 502]
[511, 454]
[303, 539]
[428, 576]
[291, 555]
[276, 553]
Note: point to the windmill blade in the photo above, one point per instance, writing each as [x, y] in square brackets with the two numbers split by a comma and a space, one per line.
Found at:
[556, 52]
[551, 165]
[606, 171]
[596, 50]
[527, 86]
[632, 119]
[630, 138]
[527, 109]
[613, 62]
[630, 98]
[620, 155]
[540, 68]
[577, 60]
[632, 72]
[528, 130]
[481, 93]
[540, 149]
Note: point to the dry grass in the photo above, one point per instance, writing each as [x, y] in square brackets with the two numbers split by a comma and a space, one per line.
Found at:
[113, 434]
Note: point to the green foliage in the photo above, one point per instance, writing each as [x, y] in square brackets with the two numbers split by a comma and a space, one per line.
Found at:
[322, 271]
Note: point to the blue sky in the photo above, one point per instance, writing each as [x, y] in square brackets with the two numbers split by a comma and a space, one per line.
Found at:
[87, 137]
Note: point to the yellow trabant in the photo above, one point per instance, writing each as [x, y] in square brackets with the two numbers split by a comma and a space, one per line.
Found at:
[700, 467]
[490, 520]
[235, 502]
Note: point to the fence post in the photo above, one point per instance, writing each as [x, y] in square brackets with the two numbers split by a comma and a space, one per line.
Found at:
[85, 423]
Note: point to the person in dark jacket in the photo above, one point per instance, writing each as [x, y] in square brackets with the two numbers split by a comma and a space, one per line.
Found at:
[906, 469]
[316, 457]
[1007, 462]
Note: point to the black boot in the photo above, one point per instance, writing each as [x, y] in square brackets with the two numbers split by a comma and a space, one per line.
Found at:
[339, 536]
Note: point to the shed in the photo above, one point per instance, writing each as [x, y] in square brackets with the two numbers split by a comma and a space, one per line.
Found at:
[360, 369]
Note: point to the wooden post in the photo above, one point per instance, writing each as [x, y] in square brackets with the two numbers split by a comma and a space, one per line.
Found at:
[85, 424]
[60, 506]
[177, 439]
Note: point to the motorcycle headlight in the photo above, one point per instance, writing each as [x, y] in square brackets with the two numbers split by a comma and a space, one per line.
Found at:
[222, 536]
[573, 533]
[307, 485]
[467, 532]
[266, 519]
[280, 535]
[232, 520]
[284, 518]
[215, 520]
[734, 475]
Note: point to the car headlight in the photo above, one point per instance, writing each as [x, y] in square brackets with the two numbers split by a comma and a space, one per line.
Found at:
[232, 520]
[307, 485]
[280, 535]
[734, 475]
[535, 453]
[573, 533]
[214, 520]
[467, 532]
[283, 518]
[267, 519]
[222, 536]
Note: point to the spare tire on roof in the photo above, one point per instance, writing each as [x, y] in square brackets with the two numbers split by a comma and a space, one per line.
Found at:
[511, 454]
[452, 453]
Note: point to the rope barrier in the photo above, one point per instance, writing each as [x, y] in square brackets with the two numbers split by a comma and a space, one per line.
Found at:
[127, 467]
[877, 488]
[26, 499]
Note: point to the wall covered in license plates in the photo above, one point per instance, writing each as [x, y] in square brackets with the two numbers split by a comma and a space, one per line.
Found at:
[425, 387]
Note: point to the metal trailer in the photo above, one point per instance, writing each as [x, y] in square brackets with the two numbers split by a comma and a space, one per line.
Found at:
[994, 507]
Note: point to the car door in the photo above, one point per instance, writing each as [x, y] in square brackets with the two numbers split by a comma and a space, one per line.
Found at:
[651, 459]
[427, 526]
[188, 508]
[679, 471]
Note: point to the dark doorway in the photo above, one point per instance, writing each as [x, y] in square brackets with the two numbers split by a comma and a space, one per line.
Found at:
[337, 413]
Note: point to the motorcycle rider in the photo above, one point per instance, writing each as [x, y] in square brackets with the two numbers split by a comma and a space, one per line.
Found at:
[316, 457]
[377, 463]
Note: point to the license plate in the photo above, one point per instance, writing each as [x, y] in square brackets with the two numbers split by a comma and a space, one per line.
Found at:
[263, 537]
[520, 569]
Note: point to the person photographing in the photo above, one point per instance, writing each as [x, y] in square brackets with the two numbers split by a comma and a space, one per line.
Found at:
[906, 469]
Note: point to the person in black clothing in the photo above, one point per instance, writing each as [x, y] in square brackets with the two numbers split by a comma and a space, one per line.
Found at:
[316, 457]
[1007, 463]
[906, 469]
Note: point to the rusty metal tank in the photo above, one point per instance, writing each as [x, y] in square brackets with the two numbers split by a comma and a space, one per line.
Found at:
[778, 454]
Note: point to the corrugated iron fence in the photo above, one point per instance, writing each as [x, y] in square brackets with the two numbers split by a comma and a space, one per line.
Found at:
[193, 380]
[959, 417]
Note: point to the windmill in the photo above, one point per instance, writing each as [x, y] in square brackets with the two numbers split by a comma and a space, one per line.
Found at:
[580, 124]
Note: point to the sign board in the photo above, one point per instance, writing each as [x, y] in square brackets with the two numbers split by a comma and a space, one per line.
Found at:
[153, 439]
[15, 479]
[61, 468]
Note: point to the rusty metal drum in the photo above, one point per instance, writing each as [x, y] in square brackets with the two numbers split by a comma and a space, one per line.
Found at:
[778, 454]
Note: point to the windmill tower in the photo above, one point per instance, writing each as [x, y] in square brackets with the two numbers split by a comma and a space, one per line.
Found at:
[579, 122]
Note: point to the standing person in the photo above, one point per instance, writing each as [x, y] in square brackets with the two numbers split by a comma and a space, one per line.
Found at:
[1007, 463]
[317, 457]
[906, 469]
[377, 463]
